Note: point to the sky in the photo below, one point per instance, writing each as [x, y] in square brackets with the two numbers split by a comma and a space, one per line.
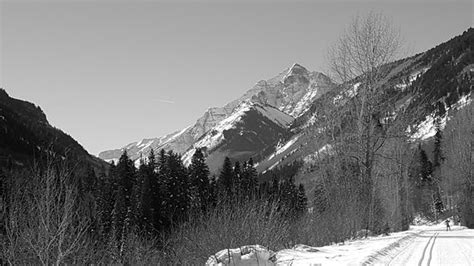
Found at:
[112, 72]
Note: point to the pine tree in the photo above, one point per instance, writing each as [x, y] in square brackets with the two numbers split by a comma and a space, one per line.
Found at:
[275, 189]
[123, 220]
[199, 176]
[252, 172]
[426, 168]
[437, 160]
[226, 180]
[237, 180]
[160, 192]
[437, 153]
[302, 200]
[249, 179]
[106, 200]
[288, 196]
[320, 200]
[145, 209]
[177, 188]
[213, 192]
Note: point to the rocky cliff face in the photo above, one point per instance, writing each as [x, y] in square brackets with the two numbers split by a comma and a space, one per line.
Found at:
[291, 92]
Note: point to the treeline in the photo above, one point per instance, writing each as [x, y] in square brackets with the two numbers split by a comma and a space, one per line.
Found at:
[56, 213]
[162, 193]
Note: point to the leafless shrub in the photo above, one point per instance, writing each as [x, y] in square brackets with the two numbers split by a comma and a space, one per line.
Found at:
[43, 224]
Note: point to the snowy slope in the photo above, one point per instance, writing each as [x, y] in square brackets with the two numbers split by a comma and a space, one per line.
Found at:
[417, 92]
[249, 130]
[421, 245]
[291, 93]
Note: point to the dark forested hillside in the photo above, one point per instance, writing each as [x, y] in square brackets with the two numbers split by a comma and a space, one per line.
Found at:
[26, 135]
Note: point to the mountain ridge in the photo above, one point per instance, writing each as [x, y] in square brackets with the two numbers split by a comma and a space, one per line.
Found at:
[291, 91]
[26, 136]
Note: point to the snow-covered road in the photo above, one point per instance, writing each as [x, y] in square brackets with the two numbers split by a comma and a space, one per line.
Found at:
[437, 247]
[419, 246]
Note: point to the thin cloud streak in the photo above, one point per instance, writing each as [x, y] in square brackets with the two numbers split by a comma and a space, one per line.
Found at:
[165, 101]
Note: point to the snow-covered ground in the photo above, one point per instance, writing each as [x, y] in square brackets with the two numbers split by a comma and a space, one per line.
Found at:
[421, 245]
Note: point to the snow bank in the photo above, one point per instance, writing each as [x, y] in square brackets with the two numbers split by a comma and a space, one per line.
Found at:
[246, 255]
[354, 252]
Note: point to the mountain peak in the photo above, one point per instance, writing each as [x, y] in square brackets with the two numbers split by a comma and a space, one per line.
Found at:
[296, 65]
[297, 69]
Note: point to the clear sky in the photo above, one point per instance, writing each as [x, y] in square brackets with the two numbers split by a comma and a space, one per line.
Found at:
[111, 73]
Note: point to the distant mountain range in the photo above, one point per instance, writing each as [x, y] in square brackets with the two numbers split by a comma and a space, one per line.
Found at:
[245, 127]
[418, 91]
[270, 121]
[278, 121]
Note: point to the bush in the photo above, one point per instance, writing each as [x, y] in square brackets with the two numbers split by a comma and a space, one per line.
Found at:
[227, 226]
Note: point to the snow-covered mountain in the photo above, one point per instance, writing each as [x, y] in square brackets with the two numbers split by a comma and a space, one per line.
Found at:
[248, 132]
[288, 95]
[420, 91]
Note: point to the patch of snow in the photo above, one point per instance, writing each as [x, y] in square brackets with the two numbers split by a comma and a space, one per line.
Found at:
[216, 135]
[179, 133]
[303, 104]
[411, 78]
[114, 160]
[188, 156]
[462, 102]
[353, 92]
[246, 255]
[273, 166]
[144, 146]
[310, 121]
[287, 145]
[349, 93]
[427, 128]
[311, 158]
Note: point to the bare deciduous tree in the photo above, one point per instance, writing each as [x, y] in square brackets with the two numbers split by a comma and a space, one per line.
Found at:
[458, 167]
[43, 223]
[357, 61]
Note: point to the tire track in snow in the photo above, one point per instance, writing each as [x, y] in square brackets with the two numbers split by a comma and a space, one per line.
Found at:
[424, 250]
[431, 249]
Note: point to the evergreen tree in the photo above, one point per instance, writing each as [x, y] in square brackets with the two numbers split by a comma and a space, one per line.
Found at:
[177, 189]
[146, 176]
[213, 191]
[249, 179]
[160, 192]
[437, 153]
[302, 200]
[237, 180]
[289, 196]
[252, 174]
[226, 180]
[106, 200]
[320, 200]
[437, 160]
[426, 168]
[275, 188]
[199, 176]
[124, 203]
